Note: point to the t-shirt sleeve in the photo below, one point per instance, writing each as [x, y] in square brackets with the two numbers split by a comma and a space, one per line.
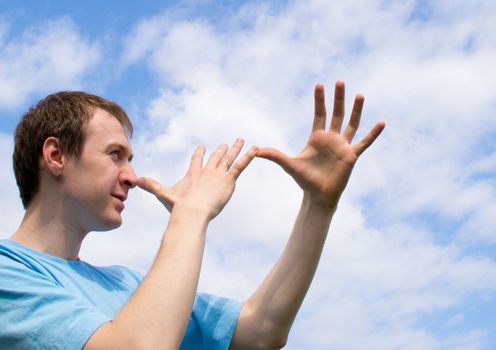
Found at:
[36, 313]
[212, 323]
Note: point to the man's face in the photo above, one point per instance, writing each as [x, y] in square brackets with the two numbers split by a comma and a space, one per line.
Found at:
[96, 184]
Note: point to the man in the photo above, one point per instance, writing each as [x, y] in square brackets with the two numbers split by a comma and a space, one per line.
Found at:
[72, 164]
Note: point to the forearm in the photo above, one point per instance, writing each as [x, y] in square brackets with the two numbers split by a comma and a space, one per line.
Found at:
[158, 313]
[275, 303]
[322, 170]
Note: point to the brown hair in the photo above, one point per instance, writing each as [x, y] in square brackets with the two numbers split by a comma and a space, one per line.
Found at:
[63, 115]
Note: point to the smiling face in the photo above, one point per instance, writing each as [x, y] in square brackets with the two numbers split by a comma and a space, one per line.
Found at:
[96, 184]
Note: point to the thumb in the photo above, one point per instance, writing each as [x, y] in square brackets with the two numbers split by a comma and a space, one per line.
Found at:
[276, 156]
[154, 187]
[150, 185]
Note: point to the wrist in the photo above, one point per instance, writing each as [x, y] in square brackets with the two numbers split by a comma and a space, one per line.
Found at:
[185, 212]
[318, 205]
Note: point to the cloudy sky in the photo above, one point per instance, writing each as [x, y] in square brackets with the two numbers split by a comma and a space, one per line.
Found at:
[410, 261]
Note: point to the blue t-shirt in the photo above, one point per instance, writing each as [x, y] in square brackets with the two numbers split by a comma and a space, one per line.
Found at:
[51, 303]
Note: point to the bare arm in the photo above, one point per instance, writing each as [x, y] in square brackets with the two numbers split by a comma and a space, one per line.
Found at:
[158, 313]
[322, 170]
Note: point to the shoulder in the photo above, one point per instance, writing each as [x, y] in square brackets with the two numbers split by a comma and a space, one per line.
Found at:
[36, 311]
[117, 273]
[15, 261]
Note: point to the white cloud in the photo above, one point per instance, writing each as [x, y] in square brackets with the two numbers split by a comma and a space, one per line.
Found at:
[10, 206]
[480, 226]
[432, 81]
[45, 57]
[143, 39]
[384, 266]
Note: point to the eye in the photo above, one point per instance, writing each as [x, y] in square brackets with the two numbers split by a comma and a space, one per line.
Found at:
[116, 154]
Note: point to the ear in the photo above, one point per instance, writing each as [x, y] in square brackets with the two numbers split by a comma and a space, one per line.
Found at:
[52, 157]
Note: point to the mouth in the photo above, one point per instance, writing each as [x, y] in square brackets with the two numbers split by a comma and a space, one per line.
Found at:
[120, 196]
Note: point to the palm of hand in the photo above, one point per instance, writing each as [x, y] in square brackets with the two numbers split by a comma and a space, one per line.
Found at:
[323, 167]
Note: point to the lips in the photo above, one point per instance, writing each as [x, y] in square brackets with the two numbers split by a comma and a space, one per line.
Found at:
[122, 197]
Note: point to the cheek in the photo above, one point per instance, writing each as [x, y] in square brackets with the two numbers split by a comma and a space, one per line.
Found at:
[92, 180]
[102, 178]
[88, 188]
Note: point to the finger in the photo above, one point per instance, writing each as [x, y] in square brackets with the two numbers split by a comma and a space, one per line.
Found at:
[241, 164]
[197, 159]
[231, 155]
[150, 185]
[216, 156]
[276, 156]
[319, 118]
[338, 110]
[154, 187]
[368, 139]
[356, 113]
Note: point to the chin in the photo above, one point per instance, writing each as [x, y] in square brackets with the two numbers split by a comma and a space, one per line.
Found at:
[108, 224]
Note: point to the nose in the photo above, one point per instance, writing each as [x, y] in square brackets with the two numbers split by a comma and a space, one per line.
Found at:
[128, 177]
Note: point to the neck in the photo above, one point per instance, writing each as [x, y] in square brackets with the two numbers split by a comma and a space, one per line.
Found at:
[44, 229]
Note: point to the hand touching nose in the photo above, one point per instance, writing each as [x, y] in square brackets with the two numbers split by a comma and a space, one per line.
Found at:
[205, 188]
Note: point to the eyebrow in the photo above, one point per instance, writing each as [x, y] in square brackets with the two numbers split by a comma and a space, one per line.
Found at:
[122, 148]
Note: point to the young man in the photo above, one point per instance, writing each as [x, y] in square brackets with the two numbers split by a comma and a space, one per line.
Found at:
[72, 164]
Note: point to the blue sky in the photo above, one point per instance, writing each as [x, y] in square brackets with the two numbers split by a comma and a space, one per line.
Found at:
[410, 262]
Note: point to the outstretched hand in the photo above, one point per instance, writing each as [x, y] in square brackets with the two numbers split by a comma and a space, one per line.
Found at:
[323, 167]
[204, 188]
